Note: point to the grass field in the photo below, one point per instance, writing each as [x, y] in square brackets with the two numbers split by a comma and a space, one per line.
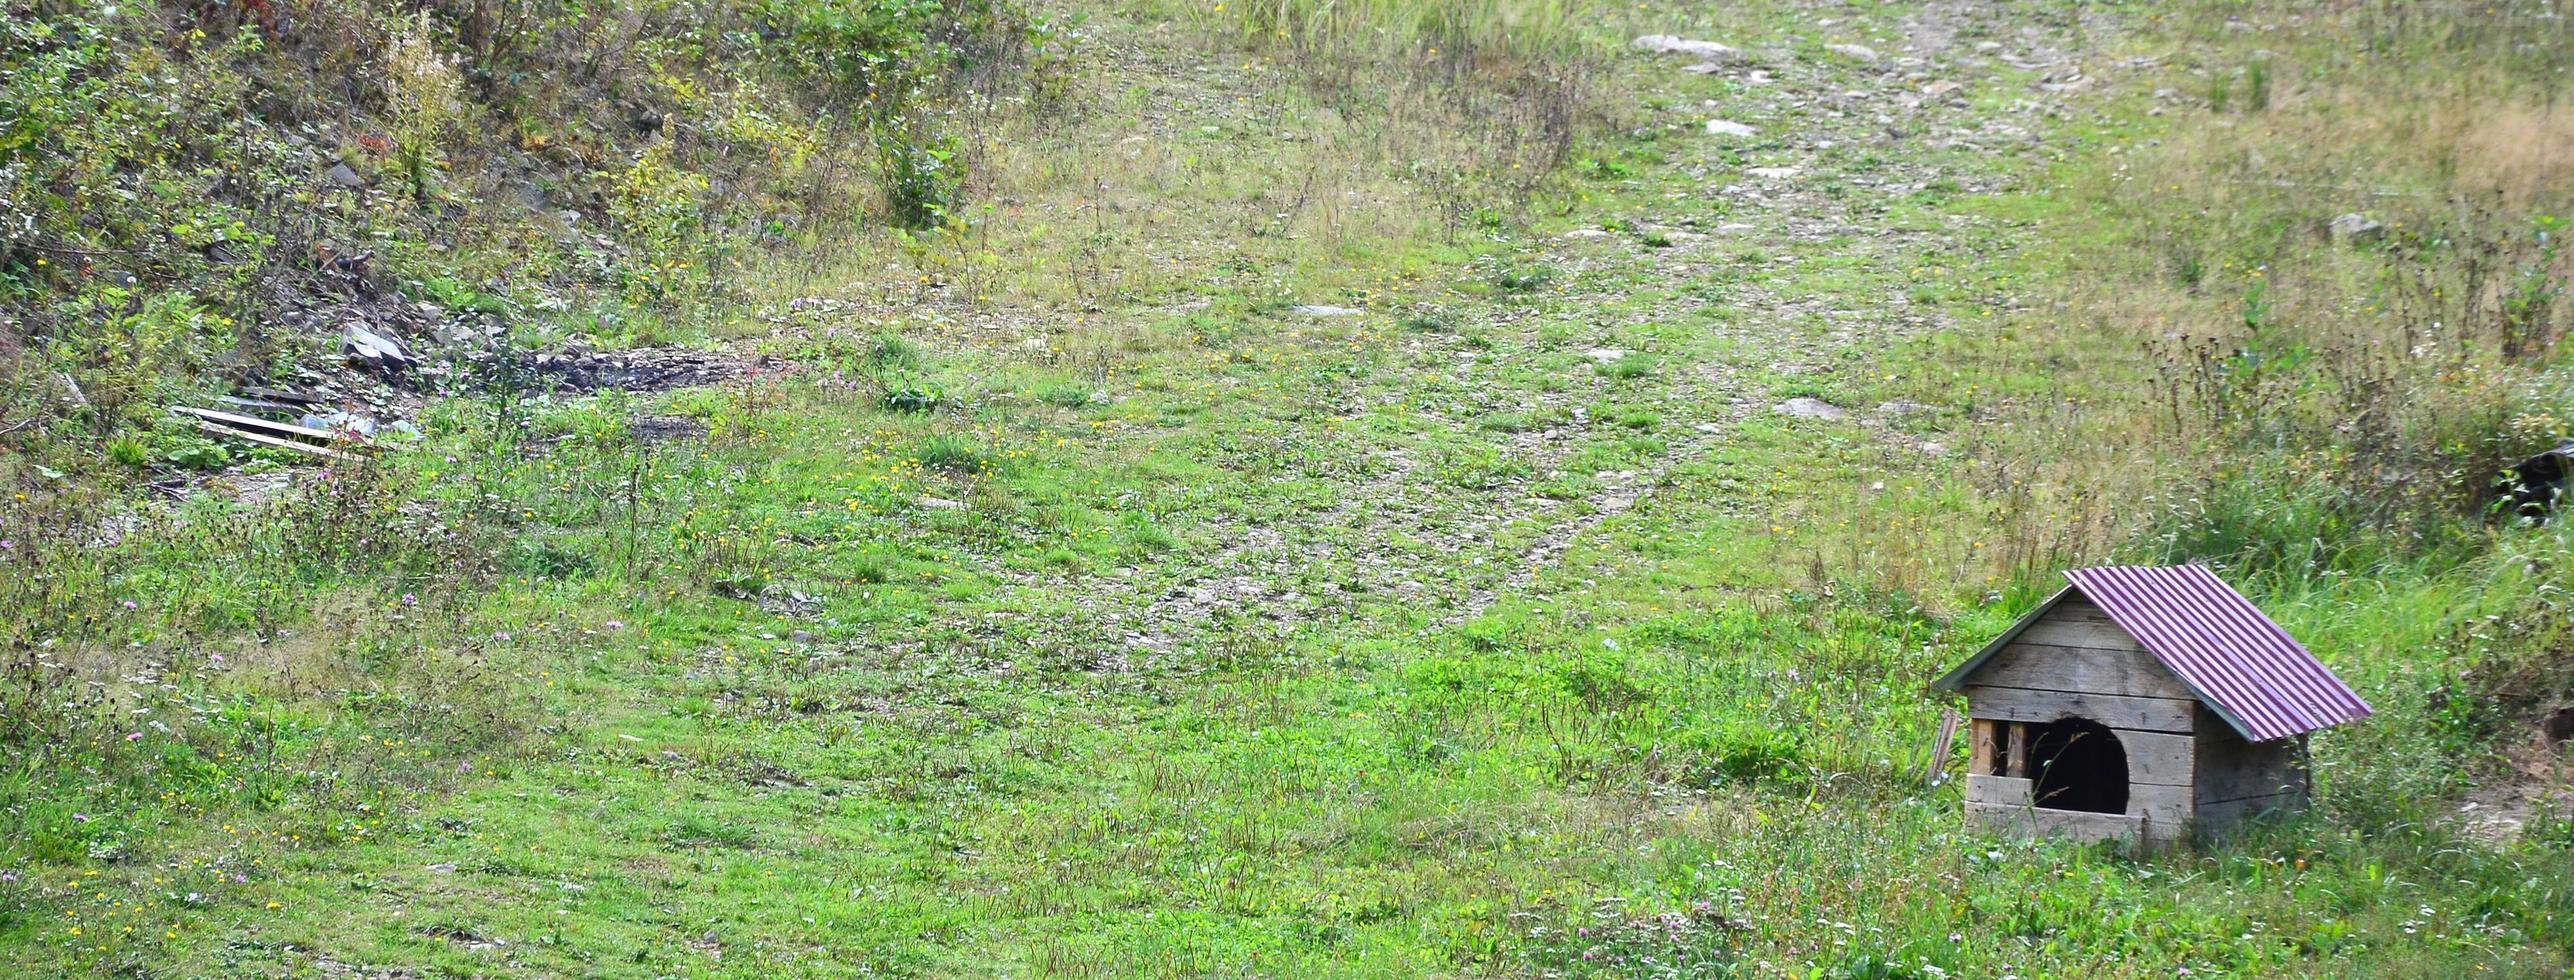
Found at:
[1322, 504]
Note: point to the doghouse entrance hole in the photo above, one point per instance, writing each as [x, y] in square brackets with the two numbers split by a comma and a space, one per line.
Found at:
[2077, 764]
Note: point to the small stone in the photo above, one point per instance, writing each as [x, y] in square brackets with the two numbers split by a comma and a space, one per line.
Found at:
[2354, 228]
[1811, 408]
[1855, 52]
[1603, 355]
[1668, 44]
[1585, 233]
[346, 176]
[1727, 127]
[364, 346]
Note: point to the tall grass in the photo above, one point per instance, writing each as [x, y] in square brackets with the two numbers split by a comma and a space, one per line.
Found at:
[1513, 29]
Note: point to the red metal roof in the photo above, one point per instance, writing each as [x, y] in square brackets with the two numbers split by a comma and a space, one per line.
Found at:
[2240, 663]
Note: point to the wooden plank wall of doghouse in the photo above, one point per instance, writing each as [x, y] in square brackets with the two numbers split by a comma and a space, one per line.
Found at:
[2076, 663]
[2239, 780]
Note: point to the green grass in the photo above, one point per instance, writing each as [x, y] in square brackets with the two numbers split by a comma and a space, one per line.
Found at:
[1121, 622]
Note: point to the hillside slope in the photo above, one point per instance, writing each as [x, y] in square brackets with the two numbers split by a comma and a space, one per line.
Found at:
[1350, 489]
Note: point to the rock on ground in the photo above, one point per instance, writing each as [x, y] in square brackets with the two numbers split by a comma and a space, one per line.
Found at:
[2356, 227]
[1670, 44]
[1812, 408]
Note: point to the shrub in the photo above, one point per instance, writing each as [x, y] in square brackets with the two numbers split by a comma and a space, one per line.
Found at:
[129, 450]
[657, 206]
[920, 177]
[1519, 277]
[911, 396]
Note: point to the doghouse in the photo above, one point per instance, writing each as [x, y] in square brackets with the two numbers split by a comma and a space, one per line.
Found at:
[2141, 703]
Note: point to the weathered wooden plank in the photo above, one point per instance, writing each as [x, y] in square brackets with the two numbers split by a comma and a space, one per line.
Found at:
[282, 395]
[2167, 805]
[285, 429]
[260, 405]
[1997, 790]
[1941, 745]
[2168, 808]
[2230, 768]
[1984, 749]
[2015, 749]
[2077, 633]
[266, 440]
[2158, 758]
[2115, 711]
[2069, 824]
[2047, 667]
[2077, 609]
[2219, 817]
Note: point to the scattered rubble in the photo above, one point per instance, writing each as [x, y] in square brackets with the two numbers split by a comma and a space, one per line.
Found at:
[2356, 228]
[1670, 44]
[1811, 408]
[638, 369]
[373, 351]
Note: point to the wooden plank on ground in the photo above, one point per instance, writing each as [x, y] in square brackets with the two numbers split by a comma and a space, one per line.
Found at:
[260, 405]
[2047, 667]
[324, 452]
[2141, 714]
[281, 429]
[281, 395]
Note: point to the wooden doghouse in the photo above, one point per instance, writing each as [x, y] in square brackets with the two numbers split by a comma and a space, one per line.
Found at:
[2142, 703]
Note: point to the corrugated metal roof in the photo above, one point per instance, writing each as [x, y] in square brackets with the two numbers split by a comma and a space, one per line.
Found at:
[2240, 663]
